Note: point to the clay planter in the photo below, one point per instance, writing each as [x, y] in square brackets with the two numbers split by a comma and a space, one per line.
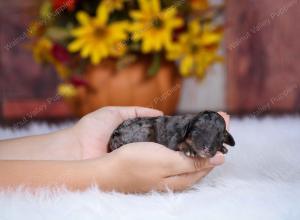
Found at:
[128, 86]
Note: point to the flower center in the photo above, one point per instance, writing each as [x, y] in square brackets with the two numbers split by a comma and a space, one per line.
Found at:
[194, 48]
[157, 23]
[100, 32]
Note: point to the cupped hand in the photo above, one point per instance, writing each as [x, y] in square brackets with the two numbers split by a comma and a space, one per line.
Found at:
[137, 167]
[93, 131]
[146, 166]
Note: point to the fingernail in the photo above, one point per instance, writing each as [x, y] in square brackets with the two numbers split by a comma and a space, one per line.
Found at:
[218, 159]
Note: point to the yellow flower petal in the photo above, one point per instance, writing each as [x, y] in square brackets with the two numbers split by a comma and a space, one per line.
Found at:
[177, 22]
[66, 90]
[147, 45]
[41, 50]
[119, 29]
[170, 13]
[102, 14]
[145, 5]
[104, 50]
[96, 57]
[211, 38]
[186, 65]
[113, 4]
[174, 51]
[77, 32]
[86, 51]
[76, 45]
[136, 15]
[194, 27]
[83, 17]
[155, 6]
[61, 69]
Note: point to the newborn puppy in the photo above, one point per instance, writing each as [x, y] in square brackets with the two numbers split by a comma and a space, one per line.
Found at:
[200, 135]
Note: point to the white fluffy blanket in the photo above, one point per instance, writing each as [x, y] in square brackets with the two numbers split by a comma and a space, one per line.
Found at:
[260, 180]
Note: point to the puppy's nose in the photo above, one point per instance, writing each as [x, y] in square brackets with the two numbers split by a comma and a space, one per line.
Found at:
[206, 152]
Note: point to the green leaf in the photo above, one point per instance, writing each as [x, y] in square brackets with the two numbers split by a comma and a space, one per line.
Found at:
[57, 33]
[125, 61]
[155, 64]
[45, 10]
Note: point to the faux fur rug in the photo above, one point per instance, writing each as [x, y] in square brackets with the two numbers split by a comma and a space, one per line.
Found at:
[260, 180]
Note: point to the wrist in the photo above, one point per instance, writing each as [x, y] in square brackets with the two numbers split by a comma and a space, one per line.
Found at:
[64, 145]
[105, 172]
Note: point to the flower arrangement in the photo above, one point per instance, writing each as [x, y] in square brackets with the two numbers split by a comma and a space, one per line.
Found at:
[77, 33]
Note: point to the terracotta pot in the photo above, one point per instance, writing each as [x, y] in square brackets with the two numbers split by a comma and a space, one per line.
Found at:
[128, 86]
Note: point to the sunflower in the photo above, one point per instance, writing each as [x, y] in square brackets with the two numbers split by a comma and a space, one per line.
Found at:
[154, 26]
[97, 39]
[196, 49]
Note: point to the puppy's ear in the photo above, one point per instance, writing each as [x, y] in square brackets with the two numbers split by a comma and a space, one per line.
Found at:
[228, 139]
[186, 129]
[185, 125]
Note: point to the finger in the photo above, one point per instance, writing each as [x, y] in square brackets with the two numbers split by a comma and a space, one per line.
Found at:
[207, 171]
[184, 181]
[135, 111]
[179, 163]
[226, 118]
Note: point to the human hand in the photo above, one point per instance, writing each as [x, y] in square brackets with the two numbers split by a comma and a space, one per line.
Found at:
[93, 131]
[136, 167]
[146, 166]
[141, 167]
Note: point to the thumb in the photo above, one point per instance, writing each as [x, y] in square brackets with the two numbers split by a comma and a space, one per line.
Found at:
[182, 164]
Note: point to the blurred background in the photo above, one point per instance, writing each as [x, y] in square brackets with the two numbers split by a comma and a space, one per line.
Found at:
[62, 59]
